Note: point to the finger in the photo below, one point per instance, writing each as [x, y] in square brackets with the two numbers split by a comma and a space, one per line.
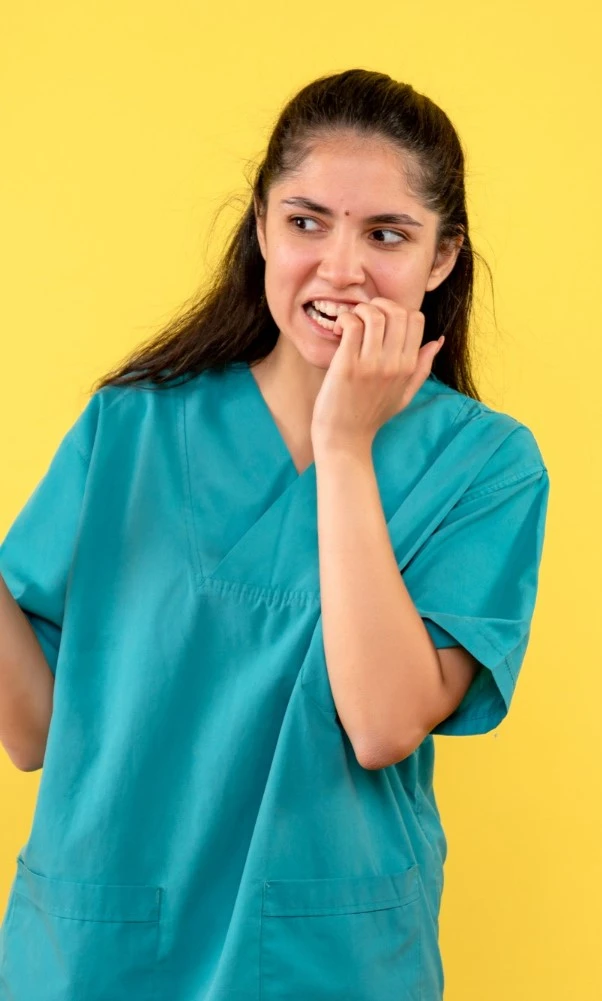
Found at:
[351, 328]
[375, 322]
[396, 318]
[414, 335]
[424, 365]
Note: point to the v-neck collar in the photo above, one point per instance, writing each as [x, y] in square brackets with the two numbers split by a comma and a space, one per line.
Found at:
[252, 516]
[274, 431]
[271, 423]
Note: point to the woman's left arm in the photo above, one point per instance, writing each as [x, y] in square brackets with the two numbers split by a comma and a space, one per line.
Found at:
[390, 684]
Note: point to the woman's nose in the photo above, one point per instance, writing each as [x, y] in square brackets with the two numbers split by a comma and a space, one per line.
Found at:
[341, 262]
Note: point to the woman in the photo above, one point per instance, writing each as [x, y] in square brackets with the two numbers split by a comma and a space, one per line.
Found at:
[283, 545]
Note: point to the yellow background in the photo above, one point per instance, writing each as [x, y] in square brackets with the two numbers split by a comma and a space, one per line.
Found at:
[125, 125]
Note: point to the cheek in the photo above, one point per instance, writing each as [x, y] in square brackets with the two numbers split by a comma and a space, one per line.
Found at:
[404, 280]
[286, 269]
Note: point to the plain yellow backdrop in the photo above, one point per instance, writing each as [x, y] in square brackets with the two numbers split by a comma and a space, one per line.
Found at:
[125, 125]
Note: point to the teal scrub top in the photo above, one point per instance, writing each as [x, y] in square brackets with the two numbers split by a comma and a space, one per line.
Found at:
[203, 830]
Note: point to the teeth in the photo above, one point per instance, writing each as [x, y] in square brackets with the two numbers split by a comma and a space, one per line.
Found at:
[332, 308]
[327, 324]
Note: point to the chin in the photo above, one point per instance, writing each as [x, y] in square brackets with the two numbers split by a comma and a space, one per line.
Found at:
[314, 351]
[319, 356]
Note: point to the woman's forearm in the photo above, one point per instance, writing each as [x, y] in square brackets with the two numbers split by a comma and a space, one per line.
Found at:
[26, 687]
[384, 670]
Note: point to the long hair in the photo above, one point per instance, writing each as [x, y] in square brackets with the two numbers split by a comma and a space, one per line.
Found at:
[229, 319]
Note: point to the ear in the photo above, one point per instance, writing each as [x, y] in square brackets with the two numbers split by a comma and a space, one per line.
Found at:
[260, 227]
[445, 259]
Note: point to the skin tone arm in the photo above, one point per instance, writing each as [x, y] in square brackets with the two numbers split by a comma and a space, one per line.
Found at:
[26, 687]
[390, 684]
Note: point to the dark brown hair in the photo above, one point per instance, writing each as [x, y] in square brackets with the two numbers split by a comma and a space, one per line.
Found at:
[229, 320]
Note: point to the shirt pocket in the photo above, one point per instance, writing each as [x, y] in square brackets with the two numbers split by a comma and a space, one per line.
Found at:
[66, 941]
[357, 938]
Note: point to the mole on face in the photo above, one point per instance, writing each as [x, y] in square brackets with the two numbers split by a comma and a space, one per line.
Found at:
[346, 212]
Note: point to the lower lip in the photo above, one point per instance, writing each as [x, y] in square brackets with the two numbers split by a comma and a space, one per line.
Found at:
[327, 334]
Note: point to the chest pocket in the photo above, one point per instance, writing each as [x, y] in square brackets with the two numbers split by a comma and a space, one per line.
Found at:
[65, 941]
[357, 938]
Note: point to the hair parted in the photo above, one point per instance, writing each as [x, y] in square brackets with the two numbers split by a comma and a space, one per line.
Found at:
[229, 320]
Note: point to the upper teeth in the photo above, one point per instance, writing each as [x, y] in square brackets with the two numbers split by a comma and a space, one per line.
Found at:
[332, 308]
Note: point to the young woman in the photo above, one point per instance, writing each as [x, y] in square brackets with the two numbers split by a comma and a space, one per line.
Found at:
[283, 545]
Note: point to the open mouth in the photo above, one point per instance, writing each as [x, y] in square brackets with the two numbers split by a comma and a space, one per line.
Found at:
[318, 312]
[322, 319]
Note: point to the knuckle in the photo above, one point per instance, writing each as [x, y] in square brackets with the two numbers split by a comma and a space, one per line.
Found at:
[374, 311]
[354, 319]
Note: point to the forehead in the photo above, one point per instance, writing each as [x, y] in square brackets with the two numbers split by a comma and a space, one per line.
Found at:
[355, 176]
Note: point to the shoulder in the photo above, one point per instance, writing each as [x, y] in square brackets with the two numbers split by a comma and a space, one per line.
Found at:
[518, 454]
[118, 413]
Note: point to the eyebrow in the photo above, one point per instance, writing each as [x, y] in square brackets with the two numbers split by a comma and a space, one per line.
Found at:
[389, 218]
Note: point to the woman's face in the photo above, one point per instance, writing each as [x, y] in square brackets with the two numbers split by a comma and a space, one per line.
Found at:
[333, 250]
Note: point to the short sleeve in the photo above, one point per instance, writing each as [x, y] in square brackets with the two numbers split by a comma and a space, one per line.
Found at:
[37, 552]
[474, 582]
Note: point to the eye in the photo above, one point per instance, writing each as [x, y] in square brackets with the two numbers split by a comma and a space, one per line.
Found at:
[303, 218]
[394, 232]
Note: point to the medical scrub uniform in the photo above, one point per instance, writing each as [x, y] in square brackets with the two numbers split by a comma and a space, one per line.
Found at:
[203, 830]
